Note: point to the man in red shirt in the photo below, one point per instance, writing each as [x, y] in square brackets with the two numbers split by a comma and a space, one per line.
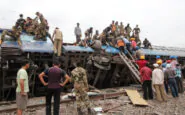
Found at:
[141, 62]
[146, 74]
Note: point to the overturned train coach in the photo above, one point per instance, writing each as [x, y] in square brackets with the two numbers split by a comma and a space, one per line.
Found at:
[103, 70]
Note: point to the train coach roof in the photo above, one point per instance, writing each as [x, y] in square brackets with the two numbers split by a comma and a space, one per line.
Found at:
[70, 48]
[165, 51]
[29, 44]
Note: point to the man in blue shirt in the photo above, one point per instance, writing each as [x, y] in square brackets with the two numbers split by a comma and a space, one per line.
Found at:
[178, 78]
[127, 43]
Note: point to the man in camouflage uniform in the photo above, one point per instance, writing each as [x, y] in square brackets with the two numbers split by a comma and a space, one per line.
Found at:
[79, 78]
[128, 29]
[41, 29]
[15, 34]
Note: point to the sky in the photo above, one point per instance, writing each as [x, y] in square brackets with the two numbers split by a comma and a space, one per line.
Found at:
[161, 21]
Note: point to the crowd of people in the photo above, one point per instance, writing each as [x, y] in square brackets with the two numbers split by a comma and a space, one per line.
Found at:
[116, 35]
[155, 79]
[160, 77]
[37, 27]
[57, 78]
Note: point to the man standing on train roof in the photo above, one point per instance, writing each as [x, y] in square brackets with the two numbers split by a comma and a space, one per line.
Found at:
[41, 32]
[121, 29]
[136, 32]
[21, 21]
[78, 33]
[58, 40]
[113, 29]
[89, 33]
[128, 29]
[15, 33]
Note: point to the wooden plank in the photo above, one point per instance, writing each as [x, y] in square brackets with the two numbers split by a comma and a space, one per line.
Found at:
[136, 98]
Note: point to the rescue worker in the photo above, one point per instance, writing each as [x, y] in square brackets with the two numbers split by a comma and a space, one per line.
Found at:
[89, 33]
[133, 45]
[78, 33]
[41, 29]
[141, 62]
[147, 44]
[121, 28]
[178, 78]
[113, 29]
[29, 26]
[128, 29]
[159, 62]
[169, 75]
[57, 41]
[15, 34]
[121, 44]
[96, 36]
[136, 32]
[158, 83]
[139, 52]
[146, 75]
[79, 78]
[158, 58]
[96, 45]
[117, 32]
[21, 21]
[174, 62]
[127, 43]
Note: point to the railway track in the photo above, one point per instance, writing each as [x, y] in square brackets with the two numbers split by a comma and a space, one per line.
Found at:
[101, 96]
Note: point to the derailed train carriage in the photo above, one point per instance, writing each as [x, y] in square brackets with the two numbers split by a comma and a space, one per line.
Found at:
[103, 70]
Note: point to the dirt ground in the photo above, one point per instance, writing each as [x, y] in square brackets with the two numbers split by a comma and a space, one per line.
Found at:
[174, 106]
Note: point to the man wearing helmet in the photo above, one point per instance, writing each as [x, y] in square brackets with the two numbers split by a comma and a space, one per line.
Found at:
[15, 34]
[141, 62]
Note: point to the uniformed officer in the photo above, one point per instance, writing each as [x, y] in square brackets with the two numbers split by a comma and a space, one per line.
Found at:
[79, 78]
[15, 34]
[41, 28]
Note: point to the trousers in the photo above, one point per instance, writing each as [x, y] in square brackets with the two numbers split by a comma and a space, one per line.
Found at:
[57, 46]
[147, 88]
[179, 84]
[16, 38]
[160, 94]
[173, 86]
[56, 94]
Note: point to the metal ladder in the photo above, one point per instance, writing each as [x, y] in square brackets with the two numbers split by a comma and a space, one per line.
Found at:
[130, 65]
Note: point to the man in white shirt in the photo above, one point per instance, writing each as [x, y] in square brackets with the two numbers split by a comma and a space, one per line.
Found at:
[57, 41]
[78, 33]
[158, 83]
[22, 87]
